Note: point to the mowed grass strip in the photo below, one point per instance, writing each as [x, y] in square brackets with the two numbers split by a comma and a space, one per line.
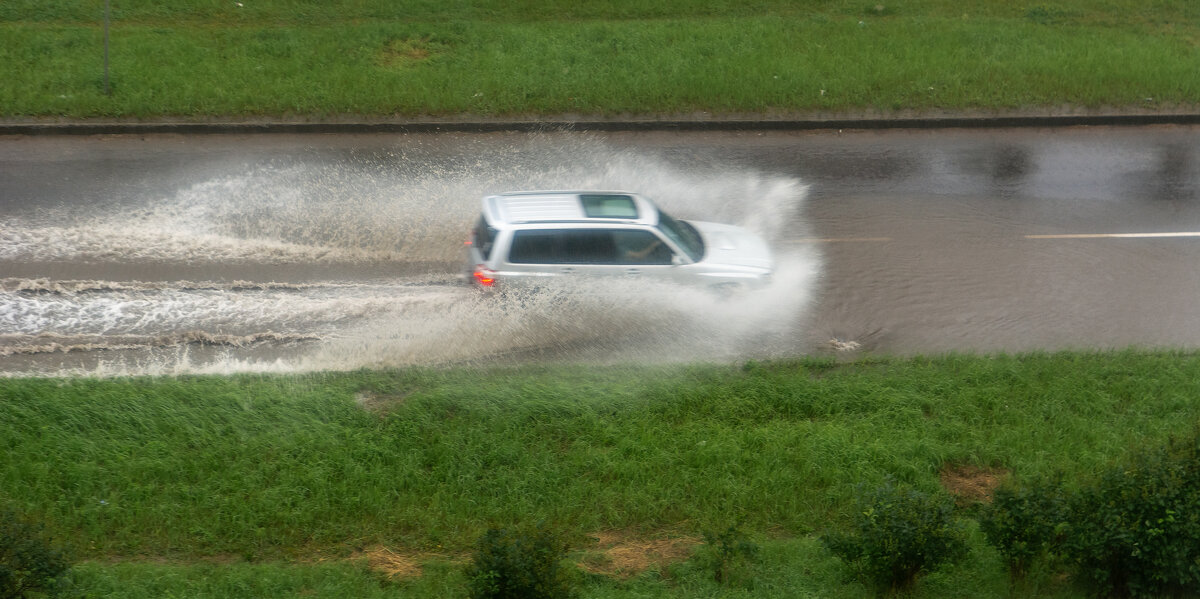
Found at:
[314, 60]
[226, 580]
[273, 467]
[318, 12]
[784, 569]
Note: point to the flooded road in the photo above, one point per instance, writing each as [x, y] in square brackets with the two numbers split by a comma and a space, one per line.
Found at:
[224, 253]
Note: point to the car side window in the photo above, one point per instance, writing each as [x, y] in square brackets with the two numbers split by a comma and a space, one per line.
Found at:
[635, 246]
[588, 246]
[534, 247]
[563, 246]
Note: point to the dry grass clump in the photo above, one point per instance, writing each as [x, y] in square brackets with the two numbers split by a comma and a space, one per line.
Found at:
[623, 555]
[971, 483]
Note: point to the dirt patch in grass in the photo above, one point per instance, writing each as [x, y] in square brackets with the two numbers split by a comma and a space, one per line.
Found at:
[624, 555]
[222, 559]
[409, 52]
[971, 484]
[615, 553]
[379, 403]
[400, 564]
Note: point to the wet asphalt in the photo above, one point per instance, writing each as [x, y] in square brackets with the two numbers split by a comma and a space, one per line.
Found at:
[916, 240]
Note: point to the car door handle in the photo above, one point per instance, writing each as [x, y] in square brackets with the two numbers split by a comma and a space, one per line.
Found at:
[568, 270]
[632, 271]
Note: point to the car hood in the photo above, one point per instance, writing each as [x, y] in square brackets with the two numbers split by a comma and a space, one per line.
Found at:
[732, 245]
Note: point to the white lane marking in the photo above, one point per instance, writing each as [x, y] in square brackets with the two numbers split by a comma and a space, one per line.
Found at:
[1056, 236]
[1114, 235]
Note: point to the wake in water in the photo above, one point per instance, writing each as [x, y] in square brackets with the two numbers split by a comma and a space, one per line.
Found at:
[356, 263]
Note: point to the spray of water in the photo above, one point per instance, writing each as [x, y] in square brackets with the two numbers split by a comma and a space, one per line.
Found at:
[409, 205]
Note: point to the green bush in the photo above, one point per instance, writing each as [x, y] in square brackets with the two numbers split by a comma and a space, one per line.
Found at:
[28, 563]
[1025, 523]
[519, 564]
[727, 554]
[898, 534]
[1136, 532]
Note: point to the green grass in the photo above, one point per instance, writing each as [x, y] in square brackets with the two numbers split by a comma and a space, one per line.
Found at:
[262, 470]
[132, 580]
[785, 569]
[375, 58]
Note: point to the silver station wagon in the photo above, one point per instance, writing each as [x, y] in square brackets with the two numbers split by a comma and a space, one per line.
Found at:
[532, 238]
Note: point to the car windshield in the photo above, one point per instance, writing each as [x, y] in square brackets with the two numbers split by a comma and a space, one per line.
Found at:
[684, 235]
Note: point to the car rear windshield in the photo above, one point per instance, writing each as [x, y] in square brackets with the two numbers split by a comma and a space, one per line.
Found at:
[484, 237]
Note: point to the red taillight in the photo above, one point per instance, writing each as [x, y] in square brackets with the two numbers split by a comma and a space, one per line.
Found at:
[484, 276]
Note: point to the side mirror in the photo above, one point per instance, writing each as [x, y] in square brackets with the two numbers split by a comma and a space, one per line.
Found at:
[677, 260]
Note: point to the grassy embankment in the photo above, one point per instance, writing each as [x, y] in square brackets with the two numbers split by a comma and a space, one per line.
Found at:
[278, 485]
[490, 57]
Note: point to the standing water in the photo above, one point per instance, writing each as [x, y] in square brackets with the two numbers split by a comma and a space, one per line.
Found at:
[330, 260]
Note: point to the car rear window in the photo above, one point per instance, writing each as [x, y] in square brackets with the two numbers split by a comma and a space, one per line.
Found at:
[562, 246]
[608, 206]
[588, 246]
[535, 247]
[485, 237]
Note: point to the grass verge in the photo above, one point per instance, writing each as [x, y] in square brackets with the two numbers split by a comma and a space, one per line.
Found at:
[256, 470]
[308, 59]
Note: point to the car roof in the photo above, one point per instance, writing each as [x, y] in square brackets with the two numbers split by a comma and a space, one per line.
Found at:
[517, 207]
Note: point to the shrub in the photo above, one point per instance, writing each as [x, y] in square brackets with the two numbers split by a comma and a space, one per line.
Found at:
[1136, 532]
[28, 563]
[519, 564]
[898, 534]
[1025, 523]
[727, 554]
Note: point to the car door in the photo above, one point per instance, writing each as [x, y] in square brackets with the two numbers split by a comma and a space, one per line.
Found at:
[561, 252]
[610, 252]
[641, 253]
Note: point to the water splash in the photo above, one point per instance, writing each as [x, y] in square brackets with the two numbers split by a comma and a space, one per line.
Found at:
[409, 204]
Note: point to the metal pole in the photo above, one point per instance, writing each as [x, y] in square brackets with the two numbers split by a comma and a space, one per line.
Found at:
[107, 89]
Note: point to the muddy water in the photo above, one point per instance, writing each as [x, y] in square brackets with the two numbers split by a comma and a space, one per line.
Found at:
[128, 256]
[223, 253]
